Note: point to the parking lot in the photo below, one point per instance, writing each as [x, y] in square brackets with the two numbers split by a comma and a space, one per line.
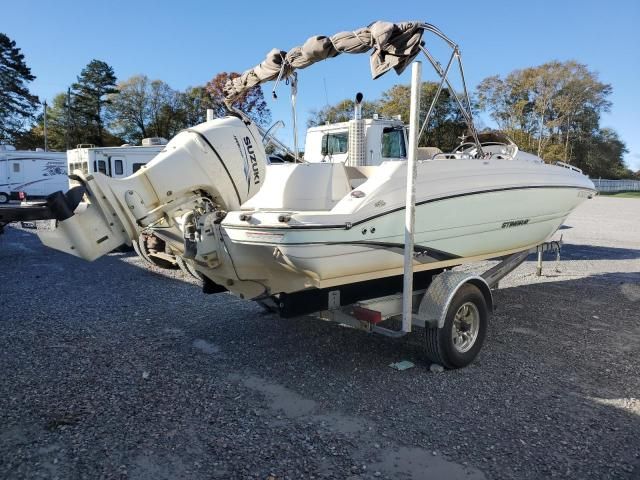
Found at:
[114, 370]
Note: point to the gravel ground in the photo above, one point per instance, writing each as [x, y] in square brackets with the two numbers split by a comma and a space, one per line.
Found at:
[114, 370]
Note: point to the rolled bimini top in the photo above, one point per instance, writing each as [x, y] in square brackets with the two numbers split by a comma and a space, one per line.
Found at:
[394, 45]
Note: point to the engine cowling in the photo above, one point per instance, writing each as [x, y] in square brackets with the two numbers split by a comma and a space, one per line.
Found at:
[223, 157]
[222, 160]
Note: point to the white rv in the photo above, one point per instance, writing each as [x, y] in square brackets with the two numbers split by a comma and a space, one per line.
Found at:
[382, 139]
[36, 173]
[117, 162]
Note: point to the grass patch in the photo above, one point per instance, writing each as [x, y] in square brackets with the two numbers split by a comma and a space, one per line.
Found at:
[621, 194]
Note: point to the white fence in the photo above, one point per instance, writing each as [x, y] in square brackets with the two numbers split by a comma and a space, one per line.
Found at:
[616, 185]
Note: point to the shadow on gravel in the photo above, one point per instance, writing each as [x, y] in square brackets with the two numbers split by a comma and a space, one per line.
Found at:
[593, 252]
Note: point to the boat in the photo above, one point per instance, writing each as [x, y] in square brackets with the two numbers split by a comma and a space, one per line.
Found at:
[466, 210]
[263, 230]
[361, 233]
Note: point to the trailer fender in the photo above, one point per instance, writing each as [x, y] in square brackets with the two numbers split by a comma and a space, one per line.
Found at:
[436, 300]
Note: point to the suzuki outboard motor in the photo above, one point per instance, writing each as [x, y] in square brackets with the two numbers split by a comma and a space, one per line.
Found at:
[217, 165]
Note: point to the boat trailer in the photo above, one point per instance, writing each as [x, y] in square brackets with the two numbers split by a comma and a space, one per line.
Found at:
[452, 306]
[453, 309]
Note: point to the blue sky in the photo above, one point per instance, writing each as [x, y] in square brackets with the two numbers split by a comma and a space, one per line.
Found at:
[186, 43]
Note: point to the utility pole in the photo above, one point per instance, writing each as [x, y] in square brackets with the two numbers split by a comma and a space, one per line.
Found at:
[45, 127]
[66, 130]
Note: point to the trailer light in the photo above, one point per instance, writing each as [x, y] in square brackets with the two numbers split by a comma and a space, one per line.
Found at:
[357, 194]
[366, 315]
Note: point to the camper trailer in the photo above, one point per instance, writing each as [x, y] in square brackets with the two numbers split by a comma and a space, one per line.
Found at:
[35, 172]
[381, 139]
[26, 178]
[117, 162]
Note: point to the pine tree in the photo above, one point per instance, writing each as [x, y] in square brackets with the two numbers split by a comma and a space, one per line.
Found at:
[90, 95]
[17, 104]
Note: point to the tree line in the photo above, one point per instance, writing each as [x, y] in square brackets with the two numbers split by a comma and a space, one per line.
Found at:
[552, 110]
[100, 110]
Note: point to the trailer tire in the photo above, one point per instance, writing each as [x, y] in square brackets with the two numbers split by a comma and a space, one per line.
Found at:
[187, 267]
[143, 251]
[460, 339]
[4, 198]
[136, 248]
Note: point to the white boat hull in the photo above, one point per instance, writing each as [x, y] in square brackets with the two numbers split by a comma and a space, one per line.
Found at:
[450, 228]
[447, 230]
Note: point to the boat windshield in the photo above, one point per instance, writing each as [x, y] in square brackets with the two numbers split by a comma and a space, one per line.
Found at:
[490, 138]
[494, 144]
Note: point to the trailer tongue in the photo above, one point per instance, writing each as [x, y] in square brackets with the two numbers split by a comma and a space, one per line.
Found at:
[57, 206]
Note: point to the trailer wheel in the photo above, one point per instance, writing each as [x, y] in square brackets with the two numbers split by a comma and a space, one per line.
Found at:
[144, 243]
[136, 248]
[187, 267]
[458, 342]
[4, 198]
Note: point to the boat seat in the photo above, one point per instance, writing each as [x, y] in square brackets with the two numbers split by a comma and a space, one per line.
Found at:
[301, 187]
[427, 153]
[358, 175]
